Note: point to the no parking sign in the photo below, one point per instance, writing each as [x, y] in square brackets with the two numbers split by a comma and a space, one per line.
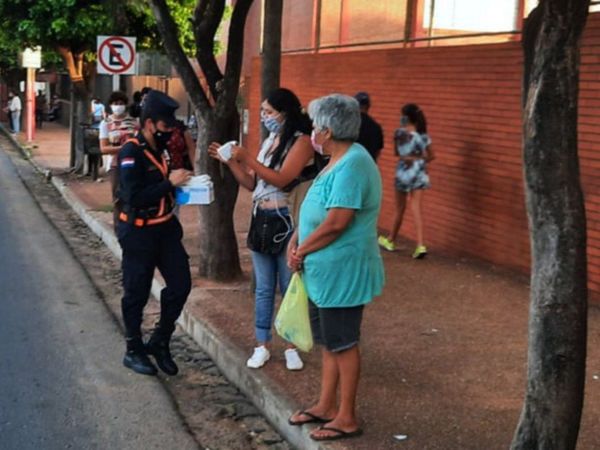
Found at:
[116, 55]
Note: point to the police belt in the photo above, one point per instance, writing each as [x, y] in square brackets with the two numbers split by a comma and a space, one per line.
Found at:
[141, 222]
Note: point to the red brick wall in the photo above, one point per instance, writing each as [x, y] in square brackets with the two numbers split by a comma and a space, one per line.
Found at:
[471, 96]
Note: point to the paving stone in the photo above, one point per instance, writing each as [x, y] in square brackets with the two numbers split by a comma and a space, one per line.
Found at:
[245, 410]
[270, 437]
[255, 424]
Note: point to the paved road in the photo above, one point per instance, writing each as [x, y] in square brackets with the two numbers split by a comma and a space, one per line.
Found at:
[62, 384]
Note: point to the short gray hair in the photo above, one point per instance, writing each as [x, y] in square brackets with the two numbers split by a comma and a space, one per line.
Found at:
[338, 113]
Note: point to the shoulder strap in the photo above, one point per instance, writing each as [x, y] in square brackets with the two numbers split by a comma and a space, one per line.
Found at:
[134, 140]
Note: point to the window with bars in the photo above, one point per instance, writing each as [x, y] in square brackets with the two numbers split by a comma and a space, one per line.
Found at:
[334, 25]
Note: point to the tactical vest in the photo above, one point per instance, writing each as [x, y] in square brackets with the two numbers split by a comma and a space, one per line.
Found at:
[153, 215]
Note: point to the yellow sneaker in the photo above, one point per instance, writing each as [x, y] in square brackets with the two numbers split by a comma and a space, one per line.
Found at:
[386, 243]
[420, 252]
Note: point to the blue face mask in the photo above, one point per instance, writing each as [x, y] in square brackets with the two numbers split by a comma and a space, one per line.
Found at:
[271, 124]
[403, 121]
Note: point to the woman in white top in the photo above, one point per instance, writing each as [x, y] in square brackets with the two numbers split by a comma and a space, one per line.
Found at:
[282, 158]
[14, 107]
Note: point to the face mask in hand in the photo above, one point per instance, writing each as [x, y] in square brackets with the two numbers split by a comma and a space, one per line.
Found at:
[118, 109]
[271, 124]
[318, 147]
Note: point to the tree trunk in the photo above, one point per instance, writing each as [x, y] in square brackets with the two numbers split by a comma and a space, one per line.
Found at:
[82, 106]
[219, 256]
[558, 311]
[218, 121]
[271, 51]
[79, 104]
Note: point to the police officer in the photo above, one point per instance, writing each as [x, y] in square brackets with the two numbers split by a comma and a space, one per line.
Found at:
[150, 235]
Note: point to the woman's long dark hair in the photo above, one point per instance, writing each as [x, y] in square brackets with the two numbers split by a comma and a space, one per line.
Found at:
[285, 101]
[415, 116]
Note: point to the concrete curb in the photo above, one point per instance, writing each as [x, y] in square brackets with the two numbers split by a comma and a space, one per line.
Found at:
[274, 404]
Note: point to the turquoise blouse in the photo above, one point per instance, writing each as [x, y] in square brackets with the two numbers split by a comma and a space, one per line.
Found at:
[348, 271]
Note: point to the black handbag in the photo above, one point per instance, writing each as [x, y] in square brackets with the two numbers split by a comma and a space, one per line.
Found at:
[269, 233]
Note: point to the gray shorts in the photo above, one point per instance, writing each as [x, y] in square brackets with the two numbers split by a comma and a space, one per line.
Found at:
[337, 329]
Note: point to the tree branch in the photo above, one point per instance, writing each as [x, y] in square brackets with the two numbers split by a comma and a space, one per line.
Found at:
[168, 29]
[235, 53]
[74, 67]
[207, 18]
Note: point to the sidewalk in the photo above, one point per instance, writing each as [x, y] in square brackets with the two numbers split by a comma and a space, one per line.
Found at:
[444, 349]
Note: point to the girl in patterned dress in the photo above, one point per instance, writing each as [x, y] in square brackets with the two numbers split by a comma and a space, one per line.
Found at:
[413, 148]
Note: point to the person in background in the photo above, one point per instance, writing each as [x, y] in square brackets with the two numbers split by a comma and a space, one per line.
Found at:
[40, 109]
[335, 247]
[97, 110]
[193, 127]
[135, 108]
[181, 147]
[114, 132]
[54, 112]
[371, 133]
[6, 109]
[281, 159]
[15, 106]
[413, 148]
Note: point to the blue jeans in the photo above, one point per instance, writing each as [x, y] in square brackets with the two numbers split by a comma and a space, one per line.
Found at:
[16, 121]
[267, 270]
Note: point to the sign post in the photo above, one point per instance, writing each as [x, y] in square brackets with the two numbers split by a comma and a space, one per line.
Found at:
[116, 56]
[31, 59]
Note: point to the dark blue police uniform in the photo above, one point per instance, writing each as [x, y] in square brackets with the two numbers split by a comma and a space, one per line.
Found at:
[150, 237]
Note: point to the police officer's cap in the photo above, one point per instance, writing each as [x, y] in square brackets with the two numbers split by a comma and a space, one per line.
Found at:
[159, 106]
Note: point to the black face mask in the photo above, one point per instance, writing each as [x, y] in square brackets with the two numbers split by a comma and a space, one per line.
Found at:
[161, 138]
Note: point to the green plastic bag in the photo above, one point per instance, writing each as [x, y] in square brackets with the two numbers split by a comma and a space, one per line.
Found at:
[292, 322]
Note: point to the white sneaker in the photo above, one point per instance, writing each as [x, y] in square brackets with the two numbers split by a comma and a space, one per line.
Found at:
[258, 359]
[292, 360]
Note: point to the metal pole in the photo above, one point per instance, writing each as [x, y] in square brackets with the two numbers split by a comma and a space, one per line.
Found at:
[116, 82]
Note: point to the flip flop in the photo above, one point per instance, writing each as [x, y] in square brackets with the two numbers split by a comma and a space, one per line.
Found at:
[340, 434]
[312, 419]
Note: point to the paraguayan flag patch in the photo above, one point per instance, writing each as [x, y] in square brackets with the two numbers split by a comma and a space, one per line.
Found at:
[127, 162]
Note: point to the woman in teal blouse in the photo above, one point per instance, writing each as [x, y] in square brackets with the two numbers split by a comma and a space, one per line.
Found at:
[336, 248]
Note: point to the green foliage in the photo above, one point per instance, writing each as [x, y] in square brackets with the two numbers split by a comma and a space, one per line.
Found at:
[182, 12]
[74, 24]
[219, 48]
[9, 49]
[52, 23]
[143, 26]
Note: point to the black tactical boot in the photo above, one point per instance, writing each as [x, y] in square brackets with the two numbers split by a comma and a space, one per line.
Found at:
[158, 346]
[136, 358]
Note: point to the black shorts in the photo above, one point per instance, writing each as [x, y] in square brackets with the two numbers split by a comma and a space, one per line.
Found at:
[337, 329]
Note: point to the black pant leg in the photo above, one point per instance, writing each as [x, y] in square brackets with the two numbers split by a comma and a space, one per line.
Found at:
[139, 261]
[174, 266]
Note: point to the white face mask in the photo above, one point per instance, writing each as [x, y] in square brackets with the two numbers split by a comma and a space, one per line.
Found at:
[118, 109]
[317, 147]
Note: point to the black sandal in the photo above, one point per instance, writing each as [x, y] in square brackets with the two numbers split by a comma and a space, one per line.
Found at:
[311, 419]
[339, 434]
